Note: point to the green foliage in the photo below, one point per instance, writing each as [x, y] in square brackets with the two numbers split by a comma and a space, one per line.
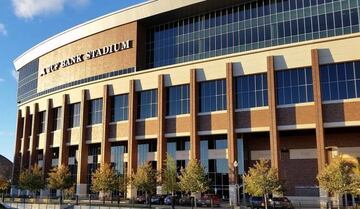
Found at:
[4, 184]
[170, 184]
[193, 178]
[104, 179]
[32, 179]
[337, 176]
[60, 178]
[356, 181]
[262, 180]
[145, 178]
[123, 182]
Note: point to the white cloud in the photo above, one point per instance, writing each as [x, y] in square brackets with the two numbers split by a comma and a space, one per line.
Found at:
[3, 30]
[28, 9]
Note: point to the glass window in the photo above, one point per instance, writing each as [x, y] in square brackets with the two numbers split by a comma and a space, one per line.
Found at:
[251, 91]
[42, 122]
[74, 115]
[144, 147]
[95, 111]
[212, 95]
[294, 86]
[57, 118]
[119, 108]
[147, 104]
[117, 158]
[340, 81]
[177, 100]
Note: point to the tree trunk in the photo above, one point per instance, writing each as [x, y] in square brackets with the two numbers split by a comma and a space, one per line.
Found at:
[265, 201]
[338, 200]
[346, 201]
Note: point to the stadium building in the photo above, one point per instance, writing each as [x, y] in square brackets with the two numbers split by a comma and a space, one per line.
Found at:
[219, 81]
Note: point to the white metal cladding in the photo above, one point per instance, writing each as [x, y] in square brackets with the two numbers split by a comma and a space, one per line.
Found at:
[140, 11]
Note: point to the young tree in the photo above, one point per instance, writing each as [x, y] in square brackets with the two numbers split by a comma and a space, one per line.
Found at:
[356, 181]
[336, 178]
[193, 178]
[104, 180]
[145, 179]
[32, 179]
[169, 181]
[4, 185]
[123, 184]
[262, 180]
[60, 178]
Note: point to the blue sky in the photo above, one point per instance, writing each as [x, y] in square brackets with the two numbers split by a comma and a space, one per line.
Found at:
[25, 23]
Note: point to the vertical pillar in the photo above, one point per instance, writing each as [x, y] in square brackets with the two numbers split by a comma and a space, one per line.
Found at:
[49, 120]
[319, 123]
[132, 143]
[64, 150]
[231, 119]
[106, 113]
[35, 135]
[231, 135]
[81, 189]
[194, 138]
[274, 134]
[25, 144]
[17, 153]
[161, 143]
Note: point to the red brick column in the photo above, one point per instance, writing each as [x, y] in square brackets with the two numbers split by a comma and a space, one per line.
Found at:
[26, 140]
[17, 152]
[34, 135]
[231, 135]
[194, 138]
[64, 150]
[161, 143]
[83, 147]
[106, 114]
[320, 139]
[274, 135]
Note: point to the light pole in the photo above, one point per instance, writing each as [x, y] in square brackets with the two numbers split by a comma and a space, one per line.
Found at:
[236, 164]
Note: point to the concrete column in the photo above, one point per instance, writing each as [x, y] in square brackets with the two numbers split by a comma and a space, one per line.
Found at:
[274, 134]
[17, 152]
[64, 150]
[320, 139]
[81, 188]
[194, 109]
[106, 114]
[231, 135]
[49, 120]
[26, 138]
[35, 135]
[132, 143]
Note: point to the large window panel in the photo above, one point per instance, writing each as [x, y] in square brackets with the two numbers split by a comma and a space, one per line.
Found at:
[95, 111]
[251, 91]
[74, 115]
[212, 95]
[177, 100]
[340, 81]
[147, 104]
[119, 108]
[294, 86]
